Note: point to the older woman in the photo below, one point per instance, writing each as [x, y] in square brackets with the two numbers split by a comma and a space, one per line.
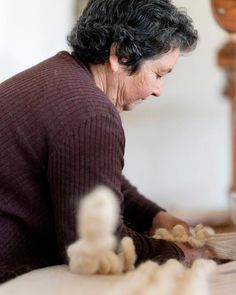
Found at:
[61, 132]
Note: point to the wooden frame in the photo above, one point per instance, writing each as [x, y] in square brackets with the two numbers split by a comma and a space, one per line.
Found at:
[80, 5]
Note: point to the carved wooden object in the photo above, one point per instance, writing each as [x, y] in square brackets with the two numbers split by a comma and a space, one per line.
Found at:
[224, 12]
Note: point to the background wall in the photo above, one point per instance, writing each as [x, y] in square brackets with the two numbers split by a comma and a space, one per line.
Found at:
[178, 145]
[32, 30]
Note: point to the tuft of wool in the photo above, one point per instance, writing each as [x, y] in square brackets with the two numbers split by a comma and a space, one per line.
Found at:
[195, 279]
[94, 251]
[171, 278]
[167, 280]
[94, 211]
[196, 238]
[137, 281]
[220, 246]
[127, 254]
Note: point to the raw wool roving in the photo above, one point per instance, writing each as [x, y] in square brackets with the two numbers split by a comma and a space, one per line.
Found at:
[95, 253]
[221, 246]
[196, 238]
[171, 278]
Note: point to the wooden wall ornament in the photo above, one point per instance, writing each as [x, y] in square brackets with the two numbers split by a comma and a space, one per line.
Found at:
[224, 12]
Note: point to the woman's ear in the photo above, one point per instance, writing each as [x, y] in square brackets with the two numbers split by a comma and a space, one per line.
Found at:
[113, 59]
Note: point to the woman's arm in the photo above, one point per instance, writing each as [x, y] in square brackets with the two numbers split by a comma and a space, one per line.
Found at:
[90, 154]
[138, 211]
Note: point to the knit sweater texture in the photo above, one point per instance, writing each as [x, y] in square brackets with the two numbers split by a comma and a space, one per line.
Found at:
[60, 137]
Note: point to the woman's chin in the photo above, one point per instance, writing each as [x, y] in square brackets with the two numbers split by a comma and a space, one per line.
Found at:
[131, 106]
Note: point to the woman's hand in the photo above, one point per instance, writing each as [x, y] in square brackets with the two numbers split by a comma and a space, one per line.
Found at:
[166, 220]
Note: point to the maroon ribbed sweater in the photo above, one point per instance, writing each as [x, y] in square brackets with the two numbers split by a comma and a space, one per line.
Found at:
[61, 136]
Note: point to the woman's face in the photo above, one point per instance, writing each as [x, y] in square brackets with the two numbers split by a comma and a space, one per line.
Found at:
[146, 82]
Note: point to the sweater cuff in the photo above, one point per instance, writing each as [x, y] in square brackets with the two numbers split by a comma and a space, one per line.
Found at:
[172, 251]
[160, 251]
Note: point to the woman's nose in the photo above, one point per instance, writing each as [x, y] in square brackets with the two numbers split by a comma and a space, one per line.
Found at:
[159, 88]
[158, 91]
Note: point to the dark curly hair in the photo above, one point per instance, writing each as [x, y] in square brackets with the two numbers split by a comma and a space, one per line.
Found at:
[141, 29]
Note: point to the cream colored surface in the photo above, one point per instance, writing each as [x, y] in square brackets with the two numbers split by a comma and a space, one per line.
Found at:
[58, 280]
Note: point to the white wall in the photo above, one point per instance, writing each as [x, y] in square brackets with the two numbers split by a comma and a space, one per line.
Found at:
[178, 146]
[32, 30]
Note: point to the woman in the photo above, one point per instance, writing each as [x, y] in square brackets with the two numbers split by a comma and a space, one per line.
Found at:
[61, 132]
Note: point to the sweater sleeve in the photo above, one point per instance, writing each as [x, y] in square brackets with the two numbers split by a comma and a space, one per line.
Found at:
[88, 155]
[138, 211]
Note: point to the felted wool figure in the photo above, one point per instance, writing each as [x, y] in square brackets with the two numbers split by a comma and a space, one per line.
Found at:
[94, 252]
